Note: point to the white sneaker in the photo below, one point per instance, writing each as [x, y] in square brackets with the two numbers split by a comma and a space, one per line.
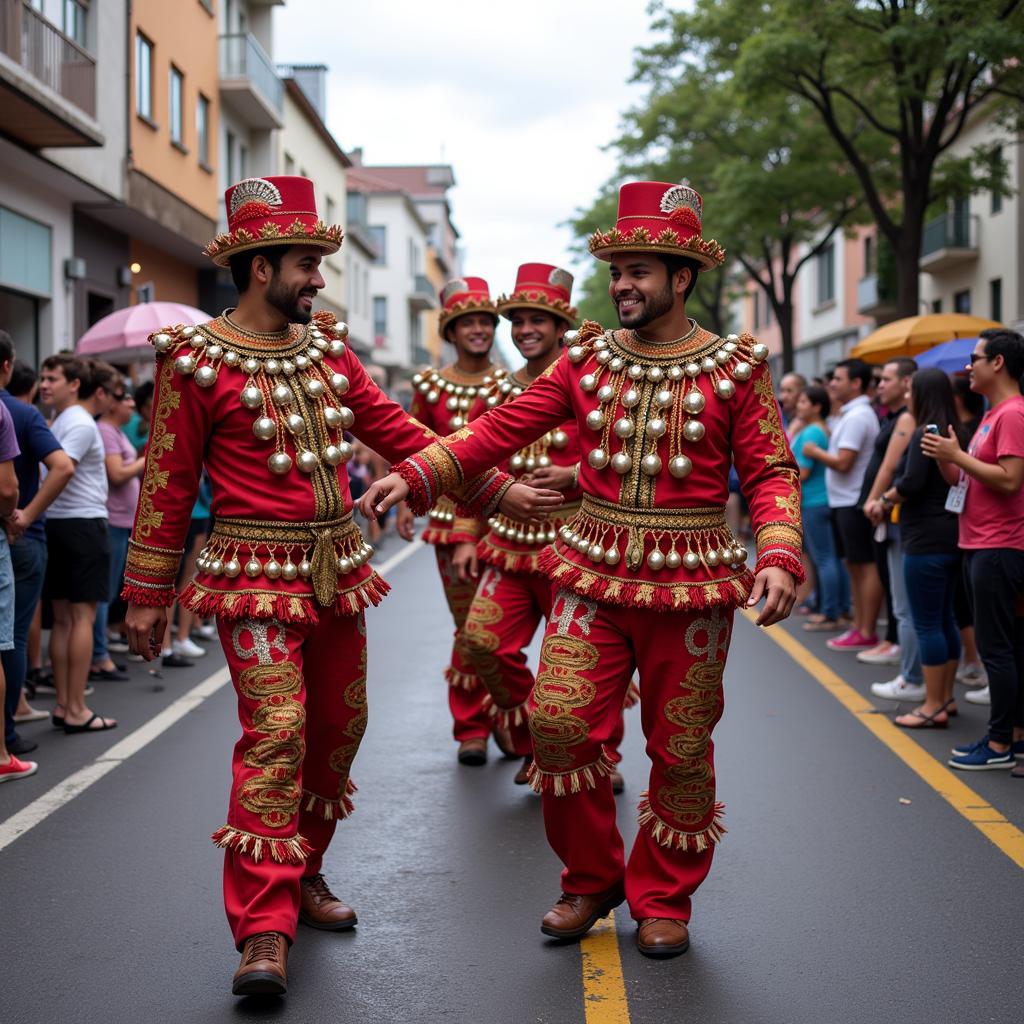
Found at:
[883, 654]
[898, 689]
[188, 649]
[979, 696]
[207, 631]
[972, 673]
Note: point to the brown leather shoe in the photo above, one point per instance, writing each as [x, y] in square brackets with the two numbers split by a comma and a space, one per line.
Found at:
[503, 741]
[662, 937]
[522, 776]
[618, 783]
[473, 752]
[264, 967]
[574, 915]
[320, 908]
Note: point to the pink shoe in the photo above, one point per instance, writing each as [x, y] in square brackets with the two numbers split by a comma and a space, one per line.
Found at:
[852, 641]
[15, 769]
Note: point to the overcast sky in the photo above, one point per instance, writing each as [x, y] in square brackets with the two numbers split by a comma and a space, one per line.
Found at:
[520, 98]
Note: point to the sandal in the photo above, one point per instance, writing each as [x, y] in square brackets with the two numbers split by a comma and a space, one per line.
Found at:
[107, 723]
[950, 708]
[926, 721]
[57, 720]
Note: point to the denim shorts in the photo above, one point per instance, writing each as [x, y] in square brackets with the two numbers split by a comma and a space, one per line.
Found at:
[6, 596]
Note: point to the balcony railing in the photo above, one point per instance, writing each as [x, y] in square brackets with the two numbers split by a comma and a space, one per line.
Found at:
[241, 56]
[48, 55]
[875, 296]
[949, 240]
[423, 294]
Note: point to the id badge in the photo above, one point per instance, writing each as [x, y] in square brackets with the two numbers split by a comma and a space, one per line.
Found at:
[957, 496]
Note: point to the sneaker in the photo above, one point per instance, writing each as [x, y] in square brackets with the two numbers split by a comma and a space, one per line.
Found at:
[972, 673]
[979, 696]
[174, 660]
[117, 644]
[851, 640]
[883, 654]
[15, 769]
[898, 689]
[187, 649]
[46, 688]
[965, 748]
[207, 631]
[981, 758]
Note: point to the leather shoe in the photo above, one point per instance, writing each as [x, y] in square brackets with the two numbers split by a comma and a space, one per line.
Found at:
[662, 937]
[473, 752]
[503, 741]
[522, 777]
[574, 914]
[20, 745]
[264, 967]
[320, 908]
[618, 783]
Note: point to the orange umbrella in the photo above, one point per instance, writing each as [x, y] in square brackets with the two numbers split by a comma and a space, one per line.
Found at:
[916, 334]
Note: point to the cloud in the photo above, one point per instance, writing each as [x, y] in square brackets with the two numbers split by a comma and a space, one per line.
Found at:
[519, 98]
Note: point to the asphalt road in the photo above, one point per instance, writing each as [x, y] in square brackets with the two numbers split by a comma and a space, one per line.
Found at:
[830, 899]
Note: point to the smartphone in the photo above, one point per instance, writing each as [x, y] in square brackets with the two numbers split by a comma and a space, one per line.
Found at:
[931, 428]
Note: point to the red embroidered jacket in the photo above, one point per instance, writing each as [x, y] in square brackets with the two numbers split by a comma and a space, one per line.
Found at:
[511, 545]
[660, 425]
[267, 415]
[446, 400]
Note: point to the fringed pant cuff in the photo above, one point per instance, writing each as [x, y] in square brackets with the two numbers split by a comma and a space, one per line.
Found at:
[575, 781]
[292, 850]
[507, 718]
[460, 680]
[676, 839]
[330, 808]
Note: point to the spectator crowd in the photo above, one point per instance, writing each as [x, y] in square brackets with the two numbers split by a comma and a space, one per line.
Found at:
[913, 503]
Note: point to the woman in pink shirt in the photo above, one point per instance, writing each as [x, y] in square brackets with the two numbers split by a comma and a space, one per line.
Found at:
[124, 468]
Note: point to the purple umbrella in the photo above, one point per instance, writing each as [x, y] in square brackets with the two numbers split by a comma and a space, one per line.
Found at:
[950, 357]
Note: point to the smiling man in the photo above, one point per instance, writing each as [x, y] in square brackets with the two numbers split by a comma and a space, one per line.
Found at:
[263, 396]
[647, 573]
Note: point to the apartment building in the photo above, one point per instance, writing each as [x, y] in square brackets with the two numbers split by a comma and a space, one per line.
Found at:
[400, 291]
[307, 148]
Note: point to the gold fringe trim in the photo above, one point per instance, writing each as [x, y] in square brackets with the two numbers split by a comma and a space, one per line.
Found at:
[284, 851]
[565, 783]
[674, 838]
[460, 680]
[506, 718]
[331, 808]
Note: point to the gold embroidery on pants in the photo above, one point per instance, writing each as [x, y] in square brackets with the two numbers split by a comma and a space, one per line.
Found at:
[481, 642]
[261, 681]
[342, 756]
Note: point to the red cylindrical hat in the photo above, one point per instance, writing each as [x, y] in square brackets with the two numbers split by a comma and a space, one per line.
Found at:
[543, 287]
[465, 295]
[272, 211]
[657, 216]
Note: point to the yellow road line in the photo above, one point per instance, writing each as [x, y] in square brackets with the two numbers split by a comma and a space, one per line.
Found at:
[604, 991]
[983, 816]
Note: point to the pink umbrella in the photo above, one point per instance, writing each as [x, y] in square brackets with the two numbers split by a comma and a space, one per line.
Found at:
[123, 336]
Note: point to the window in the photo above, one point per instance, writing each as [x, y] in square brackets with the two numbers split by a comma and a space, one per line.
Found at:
[962, 301]
[995, 298]
[380, 320]
[936, 305]
[243, 161]
[145, 292]
[767, 312]
[757, 310]
[289, 164]
[175, 94]
[73, 21]
[229, 158]
[330, 210]
[379, 237]
[143, 77]
[203, 129]
[869, 256]
[998, 169]
[825, 262]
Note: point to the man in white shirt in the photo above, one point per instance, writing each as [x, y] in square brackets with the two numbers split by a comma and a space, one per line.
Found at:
[78, 566]
[847, 458]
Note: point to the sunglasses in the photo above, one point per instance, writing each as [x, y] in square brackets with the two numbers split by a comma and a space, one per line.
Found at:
[975, 356]
[120, 396]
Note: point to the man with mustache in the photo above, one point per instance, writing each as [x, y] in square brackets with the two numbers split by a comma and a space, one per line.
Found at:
[263, 395]
[648, 574]
[446, 400]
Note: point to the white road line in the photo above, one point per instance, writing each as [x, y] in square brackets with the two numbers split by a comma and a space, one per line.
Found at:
[78, 782]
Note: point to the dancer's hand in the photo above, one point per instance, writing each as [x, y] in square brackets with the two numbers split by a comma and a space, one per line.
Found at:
[464, 561]
[528, 504]
[778, 588]
[146, 628]
[383, 494]
[405, 522]
[558, 478]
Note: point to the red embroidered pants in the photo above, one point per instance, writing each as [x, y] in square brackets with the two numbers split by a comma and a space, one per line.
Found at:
[505, 613]
[465, 691]
[302, 705]
[589, 654]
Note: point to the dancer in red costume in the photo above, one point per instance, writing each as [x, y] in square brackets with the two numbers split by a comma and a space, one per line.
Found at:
[514, 596]
[446, 400]
[648, 572]
[262, 395]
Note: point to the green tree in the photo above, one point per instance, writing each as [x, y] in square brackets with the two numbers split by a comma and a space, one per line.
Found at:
[893, 82]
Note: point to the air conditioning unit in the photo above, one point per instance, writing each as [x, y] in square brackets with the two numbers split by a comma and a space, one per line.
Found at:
[74, 268]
